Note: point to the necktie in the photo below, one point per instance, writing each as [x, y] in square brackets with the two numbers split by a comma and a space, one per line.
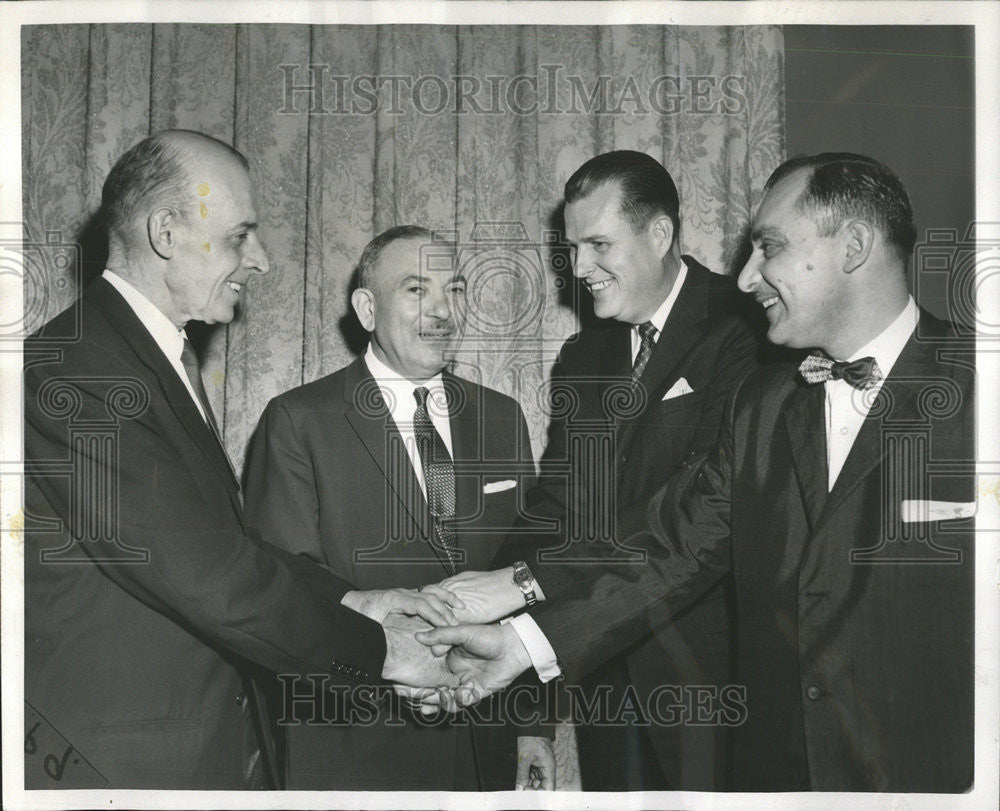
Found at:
[439, 476]
[190, 361]
[861, 374]
[647, 336]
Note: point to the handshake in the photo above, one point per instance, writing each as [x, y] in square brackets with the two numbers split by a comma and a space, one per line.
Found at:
[444, 650]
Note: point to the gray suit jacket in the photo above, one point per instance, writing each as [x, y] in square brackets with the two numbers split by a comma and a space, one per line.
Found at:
[328, 478]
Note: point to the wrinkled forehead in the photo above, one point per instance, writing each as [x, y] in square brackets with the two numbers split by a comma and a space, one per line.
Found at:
[218, 177]
[416, 256]
[781, 200]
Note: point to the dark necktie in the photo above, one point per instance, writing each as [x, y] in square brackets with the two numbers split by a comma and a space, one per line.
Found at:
[439, 477]
[861, 374]
[647, 339]
[193, 369]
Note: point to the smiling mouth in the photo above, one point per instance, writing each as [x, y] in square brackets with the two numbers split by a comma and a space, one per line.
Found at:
[596, 287]
[435, 335]
[770, 301]
[235, 287]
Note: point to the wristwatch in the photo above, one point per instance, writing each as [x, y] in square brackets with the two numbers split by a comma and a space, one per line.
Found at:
[525, 580]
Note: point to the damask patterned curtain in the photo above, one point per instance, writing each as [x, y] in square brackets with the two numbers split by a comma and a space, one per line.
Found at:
[352, 129]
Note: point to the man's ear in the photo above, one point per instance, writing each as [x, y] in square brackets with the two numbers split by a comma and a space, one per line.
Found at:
[662, 231]
[859, 239]
[161, 230]
[363, 302]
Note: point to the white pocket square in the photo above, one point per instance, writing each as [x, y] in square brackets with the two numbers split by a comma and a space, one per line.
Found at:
[917, 510]
[499, 487]
[676, 390]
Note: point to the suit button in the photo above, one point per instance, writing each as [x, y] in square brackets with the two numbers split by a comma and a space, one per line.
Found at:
[813, 692]
[240, 698]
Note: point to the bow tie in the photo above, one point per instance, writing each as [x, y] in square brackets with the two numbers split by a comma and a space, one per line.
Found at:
[861, 374]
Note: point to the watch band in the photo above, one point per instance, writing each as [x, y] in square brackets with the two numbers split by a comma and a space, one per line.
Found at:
[525, 581]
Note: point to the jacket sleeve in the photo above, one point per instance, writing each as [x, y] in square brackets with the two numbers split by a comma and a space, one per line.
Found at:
[594, 611]
[197, 563]
[540, 525]
[281, 498]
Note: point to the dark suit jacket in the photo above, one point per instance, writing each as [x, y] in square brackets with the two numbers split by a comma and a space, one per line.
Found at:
[855, 627]
[329, 478]
[145, 593]
[708, 341]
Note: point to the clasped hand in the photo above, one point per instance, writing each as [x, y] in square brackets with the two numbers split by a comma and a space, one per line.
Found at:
[435, 662]
[483, 596]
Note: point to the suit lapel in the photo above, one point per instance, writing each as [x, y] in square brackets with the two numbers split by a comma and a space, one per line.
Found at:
[467, 447]
[805, 419]
[124, 320]
[896, 404]
[370, 419]
[463, 410]
[680, 331]
[679, 334]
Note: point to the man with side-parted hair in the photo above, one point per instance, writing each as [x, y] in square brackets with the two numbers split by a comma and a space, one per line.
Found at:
[393, 472]
[644, 389]
[840, 496]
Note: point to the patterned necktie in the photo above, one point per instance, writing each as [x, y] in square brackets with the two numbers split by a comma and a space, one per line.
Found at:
[647, 338]
[861, 374]
[439, 477]
[190, 361]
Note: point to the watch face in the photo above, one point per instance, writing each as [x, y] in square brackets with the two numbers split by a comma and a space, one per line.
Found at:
[522, 574]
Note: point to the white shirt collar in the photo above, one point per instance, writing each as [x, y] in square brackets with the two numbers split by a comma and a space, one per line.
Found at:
[398, 390]
[888, 344]
[164, 331]
[663, 311]
[168, 338]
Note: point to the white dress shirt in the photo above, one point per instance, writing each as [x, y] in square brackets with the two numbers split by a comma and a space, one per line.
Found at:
[660, 316]
[543, 657]
[164, 331]
[846, 406]
[846, 409]
[397, 392]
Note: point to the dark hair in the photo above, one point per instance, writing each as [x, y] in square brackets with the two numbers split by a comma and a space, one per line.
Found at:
[373, 250]
[646, 187]
[843, 185]
[151, 172]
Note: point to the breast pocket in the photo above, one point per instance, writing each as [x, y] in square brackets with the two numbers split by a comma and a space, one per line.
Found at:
[685, 408]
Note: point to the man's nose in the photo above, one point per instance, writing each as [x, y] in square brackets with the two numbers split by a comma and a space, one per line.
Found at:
[749, 277]
[437, 305]
[255, 256]
[581, 261]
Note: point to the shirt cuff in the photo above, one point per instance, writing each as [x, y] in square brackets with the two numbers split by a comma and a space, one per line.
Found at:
[543, 658]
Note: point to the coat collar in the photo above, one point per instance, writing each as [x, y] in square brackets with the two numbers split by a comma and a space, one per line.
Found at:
[102, 296]
[897, 403]
[680, 332]
[371, 421]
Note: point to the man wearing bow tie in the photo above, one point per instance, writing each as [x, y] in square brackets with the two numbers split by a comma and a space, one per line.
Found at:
[394, 473]
[840, 497]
